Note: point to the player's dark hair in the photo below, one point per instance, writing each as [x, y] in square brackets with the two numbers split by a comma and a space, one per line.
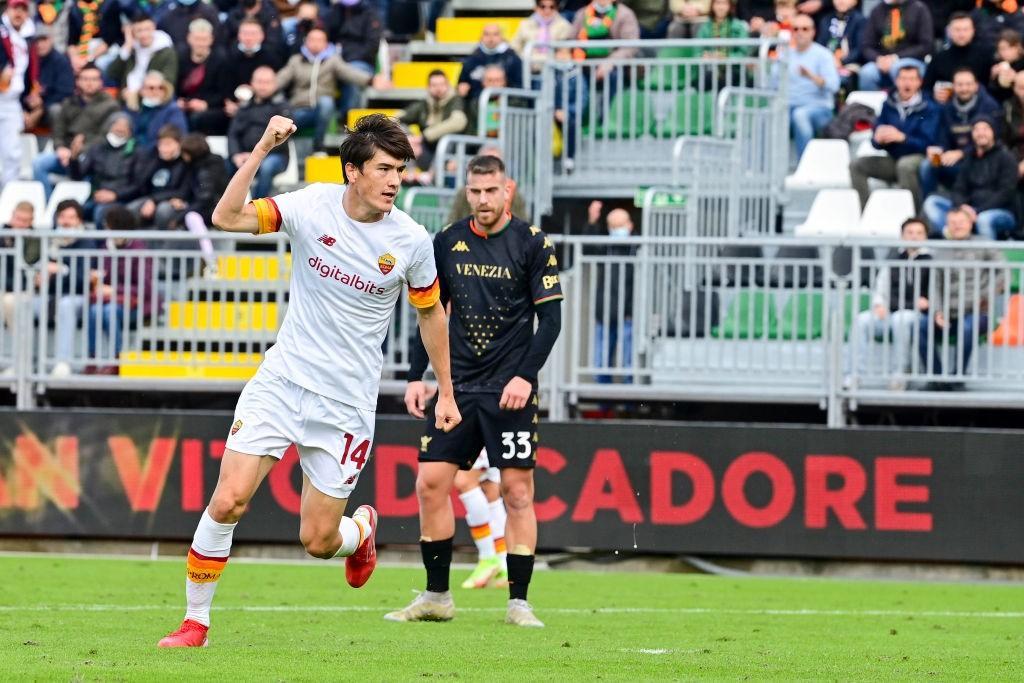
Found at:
[69, 204]
[118, 217]
[485, 164]
[372, 133]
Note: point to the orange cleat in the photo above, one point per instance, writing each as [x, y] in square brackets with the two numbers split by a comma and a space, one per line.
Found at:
[189, 634]
[360, 564]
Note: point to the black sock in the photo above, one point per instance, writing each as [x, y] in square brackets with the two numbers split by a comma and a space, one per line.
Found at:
[437, 558]
[520, 571]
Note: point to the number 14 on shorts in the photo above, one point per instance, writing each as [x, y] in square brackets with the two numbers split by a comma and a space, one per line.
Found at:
[358, 455]
[516, 445]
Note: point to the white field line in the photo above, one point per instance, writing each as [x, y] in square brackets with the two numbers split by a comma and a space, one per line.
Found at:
[596, 611]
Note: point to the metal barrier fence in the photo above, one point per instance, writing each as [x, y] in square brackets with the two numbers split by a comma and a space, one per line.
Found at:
[429, 206]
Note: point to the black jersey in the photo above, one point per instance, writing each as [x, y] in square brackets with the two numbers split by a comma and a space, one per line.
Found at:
[493, 283]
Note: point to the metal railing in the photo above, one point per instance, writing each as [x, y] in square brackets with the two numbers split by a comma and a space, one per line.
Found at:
[429, 206]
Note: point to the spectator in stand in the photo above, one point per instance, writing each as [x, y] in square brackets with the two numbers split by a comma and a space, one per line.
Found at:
[177, 20]
[56, 80]
[143, 51]
[545, 25]
[687, 17]
[22, 218]
[357, 27]
[1013, 129]
[109, 166]
[908, 124]
[965, 51]
[992, 17]
[841, 31]
[756, 13]
[264, 13]
[492, 50]
[813, 84]
[247, 128]
[160, 198]
[722, 23]
[243, 60]
[985, 187]
[494, 77]
[307, 18]
[208, 179]
[81, 18]
[200, 87]
[965, 293]
[18, 79]
[652, 16]
[899, 300]
[122, 303]
[897, 30]
[613, 290]
[781, 24]
[1009, 62]
[157, 109]
[68, 279]
[969, 101]
[441, 113]
[816, 9]
[310, 79]
[605, 20]
[80, 122]
[514, 203]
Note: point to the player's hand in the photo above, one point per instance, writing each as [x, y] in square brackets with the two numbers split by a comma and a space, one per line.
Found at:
[517, 392]
[416, 396]
[446, 414]
[278, 131]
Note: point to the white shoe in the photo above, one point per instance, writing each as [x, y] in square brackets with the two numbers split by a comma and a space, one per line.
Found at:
[61, 369]
[426, 606]
[520, 613]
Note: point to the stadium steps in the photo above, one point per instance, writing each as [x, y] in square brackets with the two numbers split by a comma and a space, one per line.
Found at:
[355, 114]
[254, 267]
[211, 344]
[324, 169]
[803, 316]
[225, 316]
[481, 7]
[189, 365]
[413, 75]
[750, 315]
[468, 29]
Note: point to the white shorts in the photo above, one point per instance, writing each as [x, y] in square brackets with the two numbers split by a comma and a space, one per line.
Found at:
[483, 466]
[333, 439]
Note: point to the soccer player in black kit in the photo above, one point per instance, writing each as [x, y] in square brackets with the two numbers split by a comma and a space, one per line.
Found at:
[498, 273]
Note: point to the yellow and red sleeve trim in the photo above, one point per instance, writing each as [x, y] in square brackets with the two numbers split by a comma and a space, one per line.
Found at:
[203, 569]
[482, 531]
[425, 297]
[544, 300]
[268, 216]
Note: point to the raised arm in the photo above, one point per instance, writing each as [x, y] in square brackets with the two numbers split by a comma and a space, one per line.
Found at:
[232, 214]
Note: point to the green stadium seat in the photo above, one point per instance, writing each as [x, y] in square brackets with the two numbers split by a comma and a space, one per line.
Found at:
[692, 113]
[674, 76]
[1015, 258]
[803, 316]
[750, 315]
[628, 116]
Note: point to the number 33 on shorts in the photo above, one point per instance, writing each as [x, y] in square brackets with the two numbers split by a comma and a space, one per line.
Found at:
[516, 445]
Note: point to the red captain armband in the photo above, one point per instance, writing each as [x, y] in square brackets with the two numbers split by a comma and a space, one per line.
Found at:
[425, 297]
[268, 216]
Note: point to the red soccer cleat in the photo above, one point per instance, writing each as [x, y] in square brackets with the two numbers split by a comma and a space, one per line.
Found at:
[189, 634]
[360, 564]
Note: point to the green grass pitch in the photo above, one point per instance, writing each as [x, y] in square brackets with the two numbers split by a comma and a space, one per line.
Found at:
[90, 619]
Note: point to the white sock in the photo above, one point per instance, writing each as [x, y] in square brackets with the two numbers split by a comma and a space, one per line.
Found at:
[477, 518]
[210, 549]
[353, 531]
[496, 508]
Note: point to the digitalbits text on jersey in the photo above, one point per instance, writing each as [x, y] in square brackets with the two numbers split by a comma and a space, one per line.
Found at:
[328, 271]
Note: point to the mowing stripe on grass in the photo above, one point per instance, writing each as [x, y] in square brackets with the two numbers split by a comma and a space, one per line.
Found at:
[555, 610]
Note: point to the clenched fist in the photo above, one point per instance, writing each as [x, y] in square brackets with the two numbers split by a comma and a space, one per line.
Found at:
[278, 131]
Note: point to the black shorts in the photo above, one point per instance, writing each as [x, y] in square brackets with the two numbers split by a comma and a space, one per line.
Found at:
[510, 436]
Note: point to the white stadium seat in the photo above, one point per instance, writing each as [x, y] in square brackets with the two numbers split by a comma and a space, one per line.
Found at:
[884, 213]
[29, 152]
[79, 190]
[835, 213]
[825, 164]
[290, 176]
[218, 145]
[869, 98]
[18, 191]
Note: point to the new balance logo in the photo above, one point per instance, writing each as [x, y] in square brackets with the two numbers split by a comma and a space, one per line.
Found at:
[460, 246]
[326, 240]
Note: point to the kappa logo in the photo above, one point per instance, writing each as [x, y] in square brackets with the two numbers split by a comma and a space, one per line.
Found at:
[552, 261]
[460, 246]
[425, 443]
[386, 263]
[534, 231]
[235, 427]
[326, 240]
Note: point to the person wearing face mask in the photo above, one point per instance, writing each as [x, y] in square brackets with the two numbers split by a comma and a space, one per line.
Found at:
[144, 50]
[109, 166]
[264, 13]
[545, 25]
[161, 196]
[181, 13]
[307, 17]
[157, 109]
[613, 311]
[493, 50]
[80, 123]
[244, 58]
[200, 88]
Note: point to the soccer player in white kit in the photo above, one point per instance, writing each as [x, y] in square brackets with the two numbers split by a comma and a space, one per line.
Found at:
[352, 253]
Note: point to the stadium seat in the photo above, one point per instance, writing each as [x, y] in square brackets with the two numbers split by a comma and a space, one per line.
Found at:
[323, 169]
[222, 315]
[1011, 328]
[824, 165]
[792, 271]
[869, 98]
[189, 365]
[79, 190]
[628, 116]
[355, 114]
[414, 74]
[255, 267]
[834, 213]
[218, 145]
[676, 77]
[290, 176]
[884, 213]
[1015, 258]
[29, 152]
[750, 315]
[866, 149]
[468, 29]
[691, 113]
[803, 316]
[23, 191]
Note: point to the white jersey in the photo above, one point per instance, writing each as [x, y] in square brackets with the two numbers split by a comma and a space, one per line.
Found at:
[346, 280]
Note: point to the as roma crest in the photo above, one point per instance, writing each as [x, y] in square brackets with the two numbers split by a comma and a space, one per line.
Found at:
[235, 427]
[386, 263]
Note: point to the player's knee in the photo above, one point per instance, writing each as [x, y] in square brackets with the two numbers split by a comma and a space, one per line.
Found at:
[431, 490]
[319, 545]
[226, 507]
[518, 497]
